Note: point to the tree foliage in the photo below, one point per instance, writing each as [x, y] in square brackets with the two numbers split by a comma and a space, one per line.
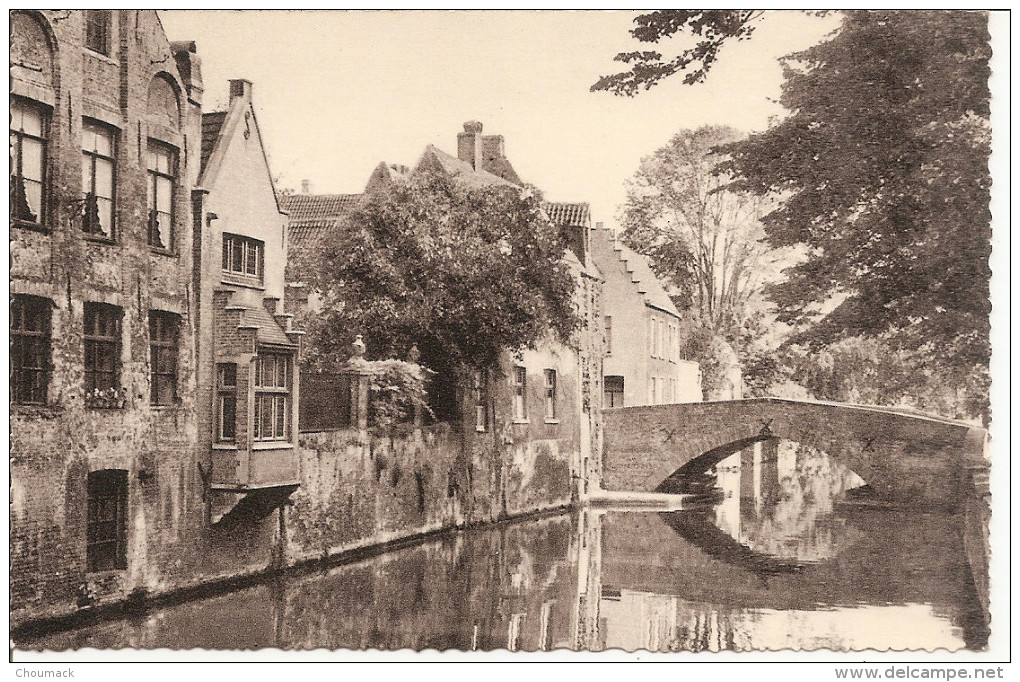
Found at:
[883, 165]
[702, 238]
[882, 172]
[713, 28]
[462, 274]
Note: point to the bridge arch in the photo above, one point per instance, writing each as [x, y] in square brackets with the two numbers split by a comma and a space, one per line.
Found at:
[906, 457]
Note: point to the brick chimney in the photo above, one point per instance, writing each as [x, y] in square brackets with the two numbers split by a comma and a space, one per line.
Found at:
[306, 187]
[469, 144]
[493, 148]
[240, 87]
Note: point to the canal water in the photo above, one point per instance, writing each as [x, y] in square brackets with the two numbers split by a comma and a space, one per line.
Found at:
[770, 552]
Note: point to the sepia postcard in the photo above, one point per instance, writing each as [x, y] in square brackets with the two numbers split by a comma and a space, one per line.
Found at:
[474, 336]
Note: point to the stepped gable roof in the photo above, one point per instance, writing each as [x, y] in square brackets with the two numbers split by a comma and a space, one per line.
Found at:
[563, 213]
[312, 215]
[647, 283]
[211, 125]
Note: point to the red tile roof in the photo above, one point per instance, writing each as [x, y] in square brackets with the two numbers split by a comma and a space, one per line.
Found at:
[313, 215]
[568, 214]
[310, 207]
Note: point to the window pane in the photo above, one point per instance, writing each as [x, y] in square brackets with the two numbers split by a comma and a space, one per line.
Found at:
[104, 142]
[238, 257]
[88, 138]
[31, 120]
[33, 196]
[164, 194]
[18, 116]
[267, 417]
[86, 175]
[281, 372]
[104, 178]
[228, 375]
[251, 258]
[281, 416]
[227, 417]
[32, 160]
[15, 145]
[105, 212]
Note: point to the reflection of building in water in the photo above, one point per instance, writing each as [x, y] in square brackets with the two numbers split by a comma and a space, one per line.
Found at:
[589, 578]
[778, 500]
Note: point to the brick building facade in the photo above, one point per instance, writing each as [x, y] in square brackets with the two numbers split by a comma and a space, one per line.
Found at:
[103, 415]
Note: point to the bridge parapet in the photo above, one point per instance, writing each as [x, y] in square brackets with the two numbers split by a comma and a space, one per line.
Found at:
[908, 458]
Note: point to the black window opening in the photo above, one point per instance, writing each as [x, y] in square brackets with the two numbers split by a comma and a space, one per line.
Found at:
[243, 256]
[102, 348]
[164, 337]
[106, 528]
[98, 179]
[30, 349]
[97, 31]
[226, 394]
[29, 133]
[272, 397]
[161, 189]
[613, 391]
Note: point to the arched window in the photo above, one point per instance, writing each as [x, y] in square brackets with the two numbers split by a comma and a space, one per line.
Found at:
[31, 51]
[163, 106]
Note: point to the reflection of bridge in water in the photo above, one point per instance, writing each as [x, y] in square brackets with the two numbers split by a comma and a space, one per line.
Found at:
[907, 458]
[674, 581]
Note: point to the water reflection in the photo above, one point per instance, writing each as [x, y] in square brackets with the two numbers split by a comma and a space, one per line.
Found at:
[765, 558]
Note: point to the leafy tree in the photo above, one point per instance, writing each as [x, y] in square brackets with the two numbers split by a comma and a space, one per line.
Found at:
[884, 168]
[463, 274]
[704, 239]
[882, 171]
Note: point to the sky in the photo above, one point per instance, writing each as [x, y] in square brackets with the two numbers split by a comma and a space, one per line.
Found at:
[336, 92]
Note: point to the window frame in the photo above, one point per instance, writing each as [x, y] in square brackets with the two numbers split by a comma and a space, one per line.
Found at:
[99, 24]
[520, 385]
[91, 157]
[609, 390]
[551, 395]
[608, 322]
[164, 337]
[278, 396]
[26, 342]
[226, 392]
[111, 485]
[99, 342]
[17, 161]
[152, 177]
[234, 244]
[480, 393]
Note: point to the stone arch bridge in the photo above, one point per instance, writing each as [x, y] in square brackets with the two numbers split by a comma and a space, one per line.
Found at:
[906, 457]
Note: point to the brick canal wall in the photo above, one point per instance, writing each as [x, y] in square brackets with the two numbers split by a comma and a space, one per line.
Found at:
[357, 490]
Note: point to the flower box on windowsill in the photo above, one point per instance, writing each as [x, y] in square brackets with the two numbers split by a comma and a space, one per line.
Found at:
[108, 399]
